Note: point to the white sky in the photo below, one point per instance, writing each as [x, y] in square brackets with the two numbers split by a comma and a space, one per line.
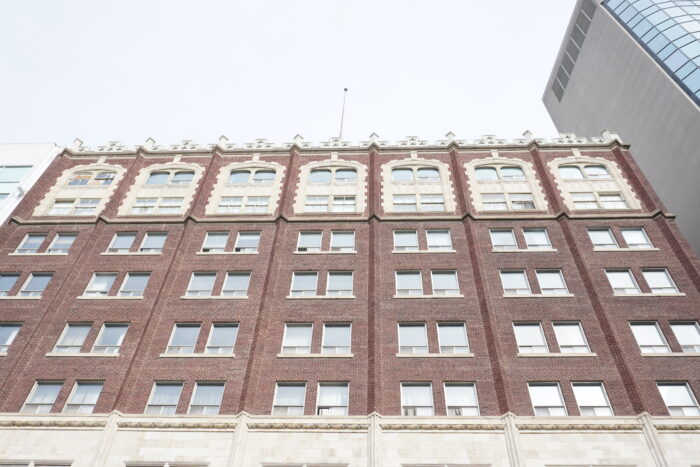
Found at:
[181, 69]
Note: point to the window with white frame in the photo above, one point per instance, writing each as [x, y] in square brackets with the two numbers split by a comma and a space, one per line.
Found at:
[592, 399]
[297, 338]
[537, 239]
[597, 200]
[612, 201]
[503, 239]
[243, 204]
[417, 399]
[336, 338]
[415, 174]
[201, 284]
[122, 242]
[309, 241]
[251, 176]
[158, 206]
[236, 284]
[413, 338]
[409, 283]
[304, 284]
[316, 203]
[432, 202]
[332, 399]
[92, 179]
[206, 399]
[74, 207]
[247, 242]
[679, 399]
[183, 339]
[289, 399]
[622, 282]
[343, 204]
[552, 282]
[649, 337]
[461, 400]
[636, 237]
[42, 397]
[580, 172]
[508, 201]
[439, 240]
[153, 242]
[659, 280]
[342, 240]
[602, 238]
[515, 283]
[31, 243]
[546, 399]
[35, 285]
[134, 284]
[72, 338]
[110, 338]
[61, 243]
[339, 283]
[452, 338]
[8, 332]
[215, 242]
[172, 177]
[687, 334]
[507, 173]
[7, 281]
[570, 337]
[83, 398]
[530, 338]
[405, 240]
[222, 338]
[445, 282]
[405, 203]
[164, 399]
[494, 202]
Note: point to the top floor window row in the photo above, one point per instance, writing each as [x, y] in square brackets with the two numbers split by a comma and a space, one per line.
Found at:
[580, 172]
[252, 176]
[415, 174]
[173, 177]
[504, 173]
[333, 175]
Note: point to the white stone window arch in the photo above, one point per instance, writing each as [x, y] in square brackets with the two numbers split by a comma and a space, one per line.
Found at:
[417, 185]
[246, 188]
[504, 184]
[592, 183]
[333, 185]
[83, 190]
[162, 189]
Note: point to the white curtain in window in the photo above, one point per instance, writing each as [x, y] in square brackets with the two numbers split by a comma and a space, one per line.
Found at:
[46, 393]
[452, 335]
[154, 240]
[634, 237]
[340, 281]
[589, 395]
[460, 395]
[412, 335]
[601, 237]
[338, 336]
[686, 333]
[676, 395]
[514, 280]
[529, 334]
[503, 238]
[248, 239]
[102, 282]
[304, 281]
[86, 393]
[439, 238]
[658, 279]
[223, 336]
[406, 239]
[237, 281]
[290, 395]
[621, 280]
[333, 395]
[136, 282]
[123, 241]
[417, 395]
[343, 239]
[445, 280]
[550, 280]
[569, 334]
[75, 335]
[536, 237]
[298, 336]
[202, 282]
[185, 336]
[166, 394]
[647, 334]
[545, 395]
[208, 394]
[310, 239]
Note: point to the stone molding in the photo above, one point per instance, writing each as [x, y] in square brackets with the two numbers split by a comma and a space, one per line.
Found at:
[307, 426]
[441, 427]
[581, 427]
[178, 425]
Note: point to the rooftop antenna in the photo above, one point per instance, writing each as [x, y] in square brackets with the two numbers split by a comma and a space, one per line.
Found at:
[342, 112]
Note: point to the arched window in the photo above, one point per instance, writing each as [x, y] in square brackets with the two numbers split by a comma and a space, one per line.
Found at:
[504, 184]
[570, 172]
[420, 174]
[263, 177]
[172, 177]
[417, 185]
[333, 175]
[505, 172]
[331, 186]
[92, 179]
[320, 176]
[254, 176]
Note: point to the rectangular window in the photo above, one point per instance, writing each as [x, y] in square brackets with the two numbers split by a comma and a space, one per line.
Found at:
[592, 400]
[215, 242]
[503, 239]
[206, 399]
[494, 202]
[316, 204]
[405, 203]
[413, 338]
[552, 282]
[135, 284]
[342, 240]
[289, 399]
[183, 339]
[343, 204]
[61, 243]
[236, 284]
[31, 243]
[460, 399]
[8, 332]
[612, 201]
[230, 204]
[622, 282]
[659, 281]
[121, 242]
[405, 240]
[72, 338]
[144, 206]
[439, 240]
[201, 284]
[35, 285]
[679, 399]
[649, 337]
[570, 338]
[84, 397]
[247, 242]
[42, 397]
[110, 338]
[257, 204]
[153, 242]
[602, 238]
[164, 398]
[170, 205]
[61, 207]
[445, 282]
[222, 338]
[431, 203]
[7, 281]
[521, 201]
[530, 338]
[101, 284]
[417, 399]
[304, 284]
[336, 338]
[339, 283]
[297, 338]
[309, 241]
[636, 237]
[409, 283]
[515, 283]
[453, 338]
[546, 399]
[687, 334]
[537, 239]
[86, 207]
[332, 399]
[584, 201]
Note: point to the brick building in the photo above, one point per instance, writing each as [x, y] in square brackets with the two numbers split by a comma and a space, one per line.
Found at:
[501, 303]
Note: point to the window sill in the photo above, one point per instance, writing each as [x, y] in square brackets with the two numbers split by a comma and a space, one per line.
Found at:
[553, 354]
[213, 297]
[81, 354]
[679, 294]
[37, 254]
[520, 250]
[671, 354]
[197, 355]
[15, 297]
[539, 295]
[324, 252]
[129, 253]
[3, 354]
[428, 296]
[320, 297]
[108, 297]
[625, 249]
[207, 253]
[315, 355]
[422, 251]
[435, 355]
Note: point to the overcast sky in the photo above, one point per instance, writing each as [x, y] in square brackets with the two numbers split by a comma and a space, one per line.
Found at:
[175, 69]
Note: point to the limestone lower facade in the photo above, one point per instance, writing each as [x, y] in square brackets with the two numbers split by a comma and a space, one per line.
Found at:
[118, 440]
